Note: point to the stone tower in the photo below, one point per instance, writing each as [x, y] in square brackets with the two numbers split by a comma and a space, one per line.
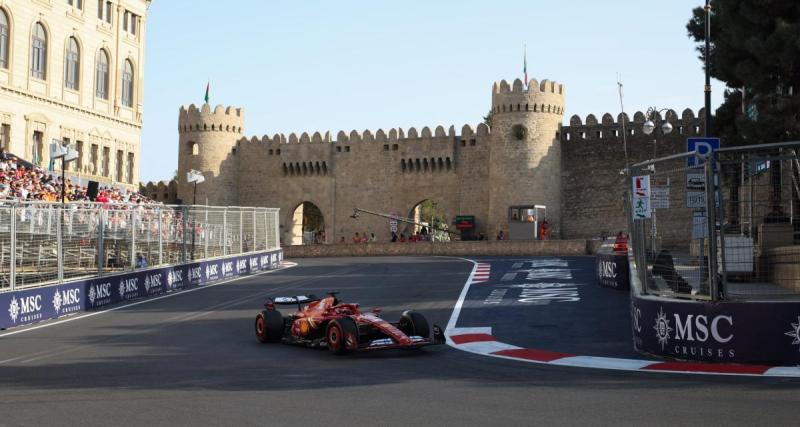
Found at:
[525, 153]
[206, 143]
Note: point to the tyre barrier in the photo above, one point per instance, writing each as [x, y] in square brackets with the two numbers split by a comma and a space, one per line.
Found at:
[28, 306]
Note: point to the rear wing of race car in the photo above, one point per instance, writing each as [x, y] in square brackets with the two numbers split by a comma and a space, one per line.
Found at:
[295, 300]
[299, 299]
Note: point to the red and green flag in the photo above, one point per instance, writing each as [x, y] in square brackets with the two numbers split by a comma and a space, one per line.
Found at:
[208, 88]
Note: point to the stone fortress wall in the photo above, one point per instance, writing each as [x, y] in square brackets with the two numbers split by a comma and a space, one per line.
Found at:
[527, 157]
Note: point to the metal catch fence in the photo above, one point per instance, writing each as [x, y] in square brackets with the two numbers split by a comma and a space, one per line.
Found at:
[747, 199]
[45, 243]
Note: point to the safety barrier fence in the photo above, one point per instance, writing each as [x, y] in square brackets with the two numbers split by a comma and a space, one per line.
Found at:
[32, 305]
[51, 243]
[720, 227]
[715, 257]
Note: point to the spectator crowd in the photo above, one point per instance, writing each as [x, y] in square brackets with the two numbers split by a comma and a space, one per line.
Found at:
[23, 181]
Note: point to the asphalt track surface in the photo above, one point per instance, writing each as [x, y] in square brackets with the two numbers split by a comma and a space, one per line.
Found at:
[192, 359]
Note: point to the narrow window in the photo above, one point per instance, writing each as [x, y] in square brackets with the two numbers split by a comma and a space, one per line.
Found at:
[347, 148]
[133, 23]
[78, 163]
[105, 161]
[385, 147]
[463, 142]
[100, 9]
[108, 12]
[38, 52]
[102, 75]
[3, 39]
[125, 20]
[395, 147]
[130, 168]
[72, 72]
[119, 160]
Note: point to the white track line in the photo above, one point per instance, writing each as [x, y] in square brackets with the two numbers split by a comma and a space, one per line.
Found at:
[95, 313]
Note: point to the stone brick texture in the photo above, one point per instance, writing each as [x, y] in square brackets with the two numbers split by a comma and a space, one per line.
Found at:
[527, 157]
[471, 248]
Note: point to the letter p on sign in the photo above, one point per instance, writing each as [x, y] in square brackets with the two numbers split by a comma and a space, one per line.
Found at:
[703, 146]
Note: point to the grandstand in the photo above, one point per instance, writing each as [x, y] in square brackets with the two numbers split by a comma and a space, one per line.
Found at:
[42, 242]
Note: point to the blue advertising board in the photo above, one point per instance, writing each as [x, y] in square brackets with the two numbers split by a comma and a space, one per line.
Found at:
[34, 305]
[731, 332]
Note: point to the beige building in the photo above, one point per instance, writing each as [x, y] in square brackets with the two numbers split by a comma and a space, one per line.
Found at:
[72, 70]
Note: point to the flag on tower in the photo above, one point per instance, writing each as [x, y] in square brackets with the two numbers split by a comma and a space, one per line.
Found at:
[525, 64]
[208, 87]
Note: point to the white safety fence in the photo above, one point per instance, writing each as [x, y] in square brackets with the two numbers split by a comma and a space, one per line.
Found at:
[45, 243]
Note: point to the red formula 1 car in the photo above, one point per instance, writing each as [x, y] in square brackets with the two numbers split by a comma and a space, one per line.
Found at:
[341, 327]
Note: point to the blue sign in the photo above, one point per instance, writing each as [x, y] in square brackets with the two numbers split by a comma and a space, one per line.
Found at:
[703, 146]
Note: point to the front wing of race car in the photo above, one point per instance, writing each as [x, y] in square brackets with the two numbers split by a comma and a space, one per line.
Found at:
[393, 341]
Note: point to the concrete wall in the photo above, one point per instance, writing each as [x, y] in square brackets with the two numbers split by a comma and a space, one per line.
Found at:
[476, 248]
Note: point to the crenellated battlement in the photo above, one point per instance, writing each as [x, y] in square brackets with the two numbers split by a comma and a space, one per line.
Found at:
[538, 97]
[203, 119]
[367, 136]
[687, 123]
[519, 87]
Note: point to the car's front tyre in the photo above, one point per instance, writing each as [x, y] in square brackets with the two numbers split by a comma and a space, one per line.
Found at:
[342, 335]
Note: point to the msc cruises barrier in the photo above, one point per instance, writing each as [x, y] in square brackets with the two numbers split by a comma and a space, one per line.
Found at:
[49, 302]
[730, 297]
[60, 259]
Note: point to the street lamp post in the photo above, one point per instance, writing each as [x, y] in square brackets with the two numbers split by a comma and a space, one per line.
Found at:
[652, 122]
[707, 88]
[194, 177]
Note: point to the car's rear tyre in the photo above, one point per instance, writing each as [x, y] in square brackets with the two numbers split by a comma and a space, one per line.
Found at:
[342, 335]
[269, 326]
[413, 323]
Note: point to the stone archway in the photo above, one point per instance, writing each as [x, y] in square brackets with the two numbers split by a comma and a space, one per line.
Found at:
[307, 225]
[431, 221]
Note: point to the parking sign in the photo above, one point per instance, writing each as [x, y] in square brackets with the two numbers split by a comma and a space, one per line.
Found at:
[703, 146]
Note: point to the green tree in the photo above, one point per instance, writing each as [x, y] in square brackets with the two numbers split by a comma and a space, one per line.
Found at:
[487, 119]
[755, 51]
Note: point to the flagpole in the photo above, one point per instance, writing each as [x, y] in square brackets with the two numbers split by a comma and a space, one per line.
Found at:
[525, 63]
